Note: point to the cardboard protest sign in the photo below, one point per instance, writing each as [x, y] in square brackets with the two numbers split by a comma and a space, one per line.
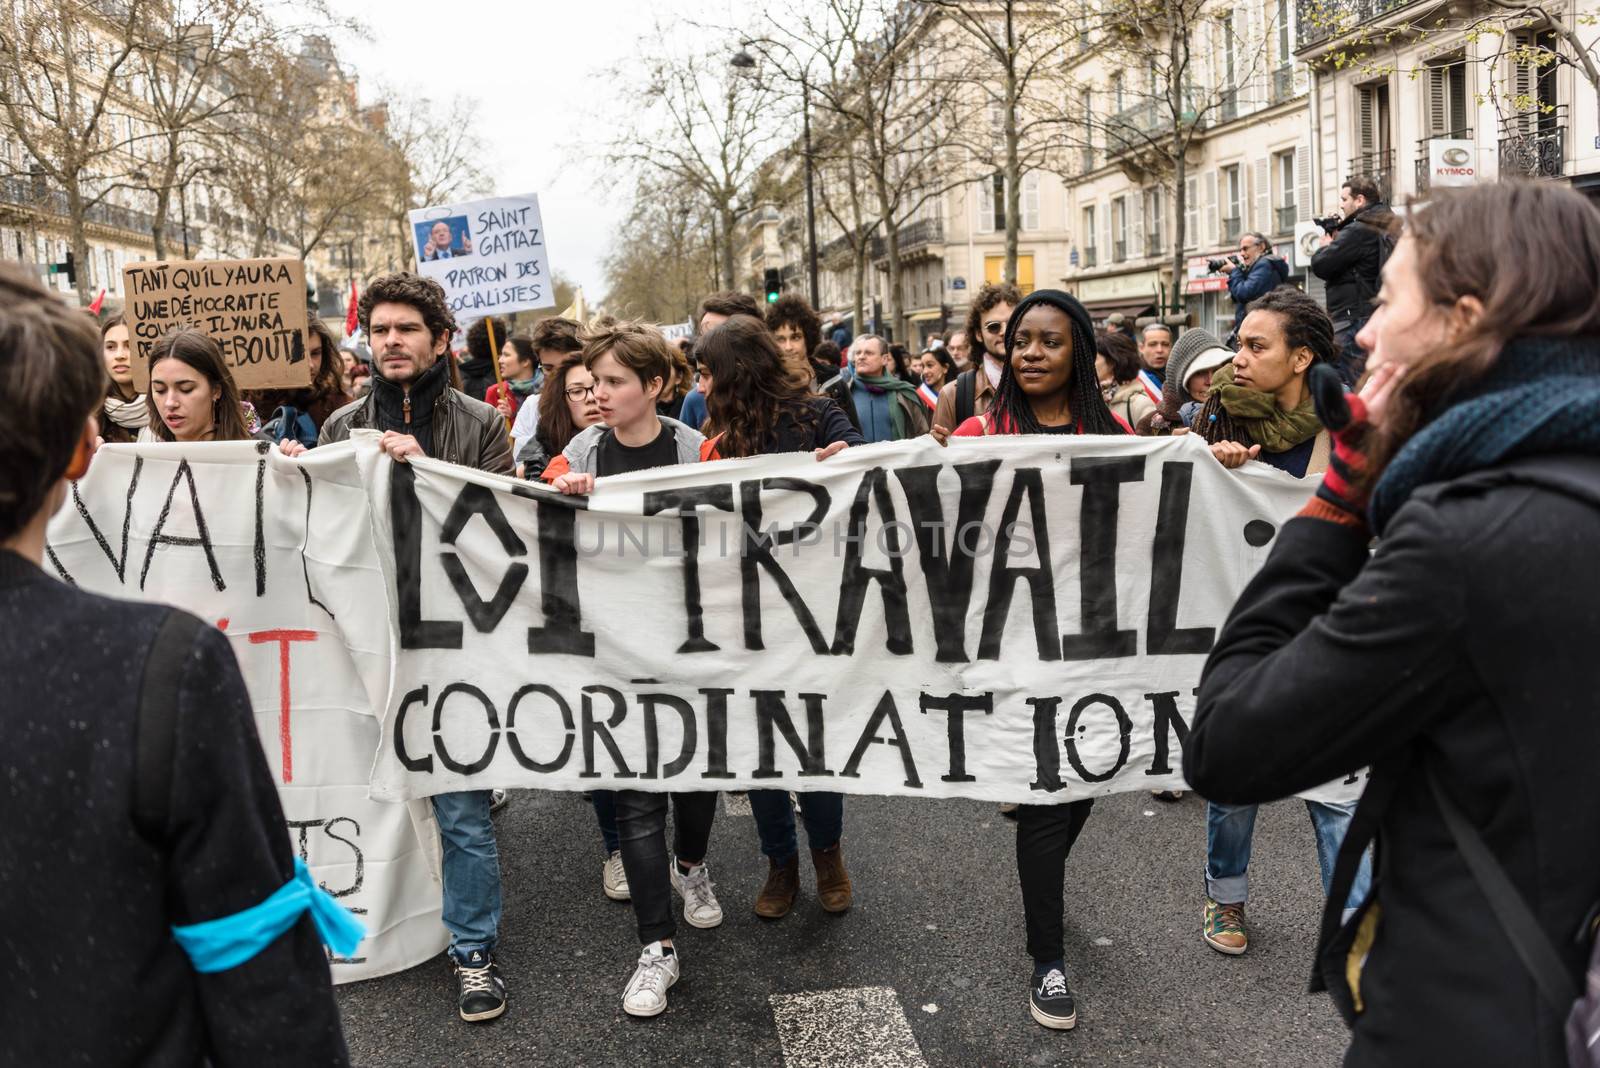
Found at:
[255, 310]
[1010, 619]
[276, 554]
[489, 255]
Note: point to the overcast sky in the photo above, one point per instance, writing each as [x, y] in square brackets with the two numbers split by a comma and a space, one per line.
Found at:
[539, 72]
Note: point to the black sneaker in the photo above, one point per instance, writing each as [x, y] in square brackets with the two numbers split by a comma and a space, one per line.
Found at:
[480, 992]
[1050, 1001]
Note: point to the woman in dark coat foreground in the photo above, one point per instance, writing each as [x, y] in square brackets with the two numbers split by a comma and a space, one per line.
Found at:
[1458, 658]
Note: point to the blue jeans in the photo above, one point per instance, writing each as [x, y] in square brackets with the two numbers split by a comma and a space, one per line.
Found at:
[1230, 828]
[605, 812]
[823, 813]
[471, 871]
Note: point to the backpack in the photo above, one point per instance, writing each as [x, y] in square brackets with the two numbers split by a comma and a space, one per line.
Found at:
[966, 396]
[1533, 946]
[291, 422]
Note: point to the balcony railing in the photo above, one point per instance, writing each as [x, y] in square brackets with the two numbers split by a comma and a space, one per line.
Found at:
[1119, 251]
[1154, 246]
[1320, 20]
[1422, 175]
[1288, 216]
[917, 235]
[27, 193]
[1282, 84]
[1090, 257]
[1087, 160]
[1232, 228]
[1153, 116]
[1228, 107]
[1379, 166]
[1535, 146]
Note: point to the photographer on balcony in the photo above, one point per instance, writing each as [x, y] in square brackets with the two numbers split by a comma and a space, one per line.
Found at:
[1253, 273]
[1352, 253]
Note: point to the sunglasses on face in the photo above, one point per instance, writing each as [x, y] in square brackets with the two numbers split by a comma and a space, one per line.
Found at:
[994, 328]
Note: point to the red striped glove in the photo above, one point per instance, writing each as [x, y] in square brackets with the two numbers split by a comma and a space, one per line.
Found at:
[1340, 498]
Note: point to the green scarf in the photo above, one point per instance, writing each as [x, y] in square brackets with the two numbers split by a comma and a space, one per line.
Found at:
[890, 384]
[1269, 426]
[521, 387]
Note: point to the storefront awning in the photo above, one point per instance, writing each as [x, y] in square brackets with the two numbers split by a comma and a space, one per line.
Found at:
[1132, 307]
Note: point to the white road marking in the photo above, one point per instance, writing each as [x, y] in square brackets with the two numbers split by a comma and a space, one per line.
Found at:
[852, 1027]
[736, 804]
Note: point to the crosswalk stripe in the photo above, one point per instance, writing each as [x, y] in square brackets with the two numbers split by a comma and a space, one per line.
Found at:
[850, 1027]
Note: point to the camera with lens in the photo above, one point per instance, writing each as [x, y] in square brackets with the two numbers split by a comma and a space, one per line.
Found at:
[1217, 264]
[1329, 224]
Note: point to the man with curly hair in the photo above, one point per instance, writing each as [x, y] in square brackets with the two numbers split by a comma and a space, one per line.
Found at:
[409, 323]
[970, 392]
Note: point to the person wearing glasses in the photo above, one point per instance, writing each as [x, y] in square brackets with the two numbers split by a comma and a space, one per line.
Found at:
[971, 391]
[553, 340]
[566, 406]
[1256, 273]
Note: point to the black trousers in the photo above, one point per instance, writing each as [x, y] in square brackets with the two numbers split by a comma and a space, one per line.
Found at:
[642, 831]
[1045, 834]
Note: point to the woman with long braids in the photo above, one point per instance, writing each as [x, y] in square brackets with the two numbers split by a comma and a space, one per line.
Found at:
[1047, 385]
[1456, 658]
[754, 409]
[1260, 407]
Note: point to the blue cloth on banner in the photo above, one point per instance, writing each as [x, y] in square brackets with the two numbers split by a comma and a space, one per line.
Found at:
[229, 941]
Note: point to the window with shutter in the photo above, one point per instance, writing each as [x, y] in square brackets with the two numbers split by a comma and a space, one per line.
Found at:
[1135, 227]
[1191, 212]
[1105, 235]
[1263, 179]
[1209, 214]
[985, 205]
[1366, 121]
[1302, 185]
[1030, 201]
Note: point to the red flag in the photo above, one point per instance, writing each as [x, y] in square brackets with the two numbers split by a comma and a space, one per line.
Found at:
[94, 309]
[350, 315]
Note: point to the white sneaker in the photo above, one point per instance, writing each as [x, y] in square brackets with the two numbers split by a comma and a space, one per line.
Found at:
[646, 992]
[700, 908]
[614, 878]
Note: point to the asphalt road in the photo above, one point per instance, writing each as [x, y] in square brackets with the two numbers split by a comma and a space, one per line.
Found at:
[928, 968]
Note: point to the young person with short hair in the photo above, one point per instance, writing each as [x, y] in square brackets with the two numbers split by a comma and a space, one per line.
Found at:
[1155, 346]
[630, 363]
[107, 846]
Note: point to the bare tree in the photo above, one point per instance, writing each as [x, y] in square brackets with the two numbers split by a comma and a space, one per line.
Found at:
[895, 100]
[709, 130]
[1022, 48]
[662, 259]
[182, 55]
[63, 90]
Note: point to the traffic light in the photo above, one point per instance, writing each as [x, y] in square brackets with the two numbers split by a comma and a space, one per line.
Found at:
[69, 268]
[774, 283]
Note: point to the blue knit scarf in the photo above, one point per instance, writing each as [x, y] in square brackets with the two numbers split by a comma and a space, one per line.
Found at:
[1541, 396]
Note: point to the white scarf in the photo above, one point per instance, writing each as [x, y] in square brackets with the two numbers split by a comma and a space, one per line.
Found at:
[992, 368]
[129, 415]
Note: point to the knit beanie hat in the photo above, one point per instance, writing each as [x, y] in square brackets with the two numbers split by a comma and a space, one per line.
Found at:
[1184, 351]
[1056, 298]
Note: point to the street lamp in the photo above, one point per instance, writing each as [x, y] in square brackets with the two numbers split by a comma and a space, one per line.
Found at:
[744, 61]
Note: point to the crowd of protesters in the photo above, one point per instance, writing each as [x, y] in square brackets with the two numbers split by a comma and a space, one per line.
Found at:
[1428, 614]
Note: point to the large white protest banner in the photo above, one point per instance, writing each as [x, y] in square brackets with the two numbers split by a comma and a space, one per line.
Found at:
[277, 553]
[1012, 619]
[489, 255]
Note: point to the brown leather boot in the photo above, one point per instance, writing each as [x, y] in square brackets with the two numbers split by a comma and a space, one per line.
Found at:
[833, 882]
[777, 896]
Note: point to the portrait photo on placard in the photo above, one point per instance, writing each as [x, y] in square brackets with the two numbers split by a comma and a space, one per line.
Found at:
[443, 239]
